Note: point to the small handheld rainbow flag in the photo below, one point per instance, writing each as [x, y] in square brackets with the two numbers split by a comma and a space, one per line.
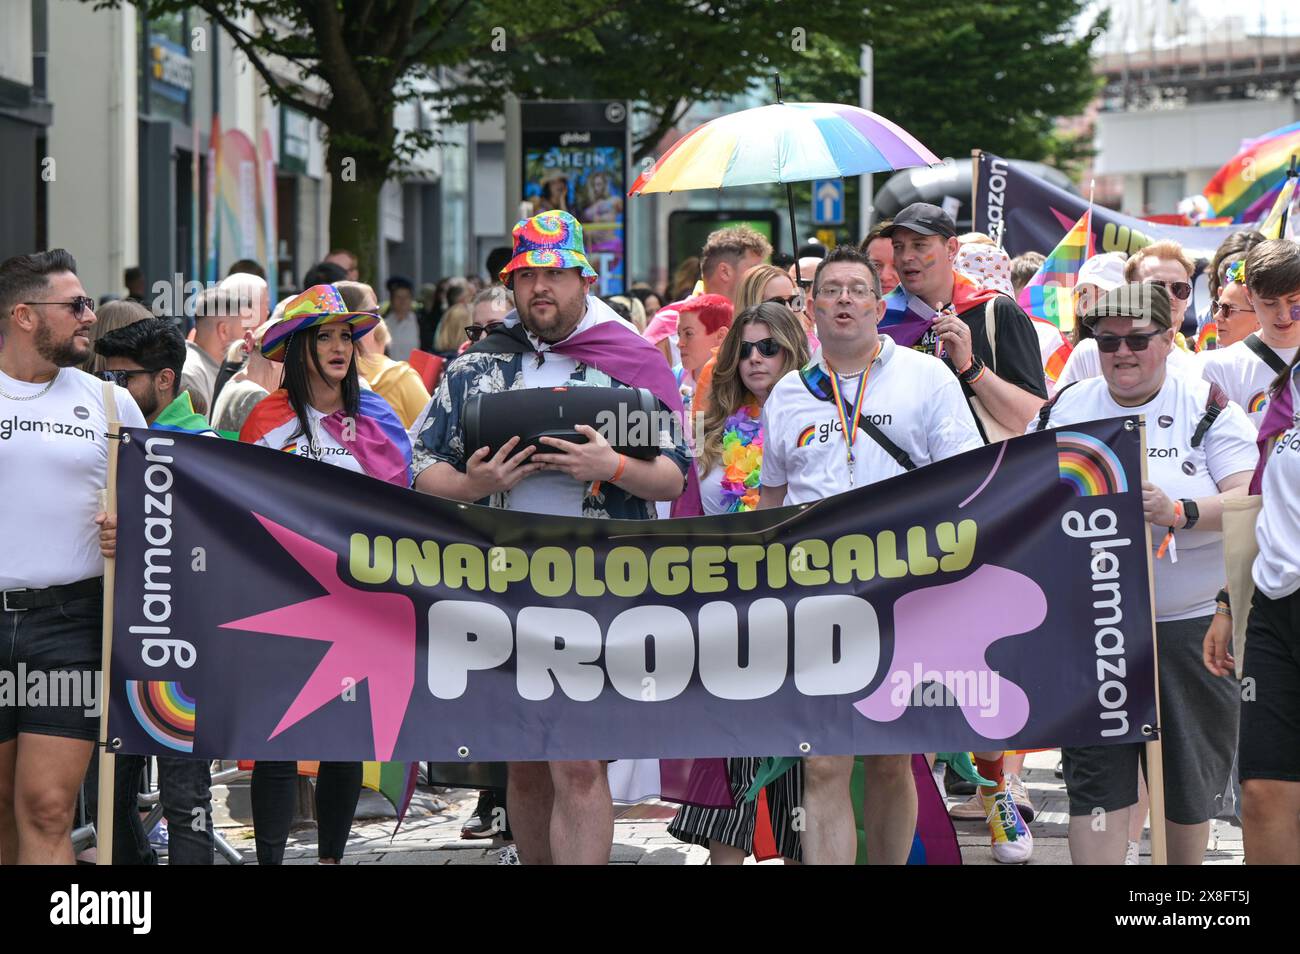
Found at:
[1049, 295]
[1272, 226]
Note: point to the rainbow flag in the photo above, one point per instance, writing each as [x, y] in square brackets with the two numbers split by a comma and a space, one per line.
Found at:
[1271, 227]
[1207, 339]
[1049, 295]
[1249, 182]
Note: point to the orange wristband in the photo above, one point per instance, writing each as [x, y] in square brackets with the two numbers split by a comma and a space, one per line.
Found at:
[618, 472]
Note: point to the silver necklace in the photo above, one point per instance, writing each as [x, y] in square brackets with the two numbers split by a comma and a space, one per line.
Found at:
[31, 397]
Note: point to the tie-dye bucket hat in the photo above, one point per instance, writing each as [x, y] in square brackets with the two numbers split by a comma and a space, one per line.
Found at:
[549, 240]
[318, 305]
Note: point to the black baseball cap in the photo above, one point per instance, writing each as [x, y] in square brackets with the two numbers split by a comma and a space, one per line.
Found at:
[924, 219]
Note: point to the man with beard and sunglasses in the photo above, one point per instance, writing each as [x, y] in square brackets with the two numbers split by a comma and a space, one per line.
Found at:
[53, 467]
[560, 335]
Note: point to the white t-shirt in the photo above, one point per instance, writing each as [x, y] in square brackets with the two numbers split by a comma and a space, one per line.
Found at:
[1050, 341]
[1243, 375]
[711, 491]
[550, 491]
[318, 445]
[1186, 589]
[1277, 568]
[53, 463]
[912, 397]
[1084, 363]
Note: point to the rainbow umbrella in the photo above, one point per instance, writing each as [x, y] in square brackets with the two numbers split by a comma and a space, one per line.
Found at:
[784, 142]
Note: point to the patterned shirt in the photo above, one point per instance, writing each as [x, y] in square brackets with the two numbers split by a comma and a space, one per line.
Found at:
[443, 437]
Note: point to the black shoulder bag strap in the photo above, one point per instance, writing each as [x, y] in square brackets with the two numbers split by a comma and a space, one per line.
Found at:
[814, 379]
[1265, 353]
[503, 340]
[1214, 405]
[1045, 412]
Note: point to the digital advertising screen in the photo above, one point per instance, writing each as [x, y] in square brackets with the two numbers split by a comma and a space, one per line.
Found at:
[583, 171]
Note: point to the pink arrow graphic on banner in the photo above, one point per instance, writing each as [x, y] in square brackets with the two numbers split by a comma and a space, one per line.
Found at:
[371, 636]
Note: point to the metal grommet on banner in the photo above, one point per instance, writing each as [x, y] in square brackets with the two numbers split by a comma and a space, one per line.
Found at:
[123, 437]
[805, 748]
[1150, 730]
[1130, 425]
[115, 743]
[463, 751]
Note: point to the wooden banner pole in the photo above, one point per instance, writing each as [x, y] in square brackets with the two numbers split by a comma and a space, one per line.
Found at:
[107, 760]
[1155, 768]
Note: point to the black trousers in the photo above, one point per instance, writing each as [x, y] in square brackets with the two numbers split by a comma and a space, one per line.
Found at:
[273, 790]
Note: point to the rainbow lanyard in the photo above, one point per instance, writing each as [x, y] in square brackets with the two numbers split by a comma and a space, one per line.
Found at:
[851, 433]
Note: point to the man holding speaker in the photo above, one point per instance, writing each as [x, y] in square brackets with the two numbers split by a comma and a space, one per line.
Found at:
[559, 336]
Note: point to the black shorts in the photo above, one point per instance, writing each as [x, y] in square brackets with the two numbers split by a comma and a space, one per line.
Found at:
[49, 670]
[1198, 715]
[1269, 745]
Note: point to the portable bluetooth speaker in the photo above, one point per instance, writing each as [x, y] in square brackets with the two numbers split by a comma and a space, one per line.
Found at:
[629, 418]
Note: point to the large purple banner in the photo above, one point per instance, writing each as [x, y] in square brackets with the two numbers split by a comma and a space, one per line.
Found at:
[1031, 215]
[271, 607]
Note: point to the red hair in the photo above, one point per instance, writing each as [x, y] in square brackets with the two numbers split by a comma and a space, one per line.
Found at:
[714, 311]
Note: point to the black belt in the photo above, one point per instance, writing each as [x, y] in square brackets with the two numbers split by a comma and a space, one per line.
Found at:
[21, 600]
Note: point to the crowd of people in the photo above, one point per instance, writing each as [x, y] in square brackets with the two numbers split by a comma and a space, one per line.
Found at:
[918, 327]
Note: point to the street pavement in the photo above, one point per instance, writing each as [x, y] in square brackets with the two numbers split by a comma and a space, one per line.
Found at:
[430, 835]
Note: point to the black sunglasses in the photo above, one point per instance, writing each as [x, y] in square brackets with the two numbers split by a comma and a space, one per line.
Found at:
[1110, 343]
[475, 332]
[79, 305]
[1180, 290]
[794, 302]
[120, 378]
[768, 348]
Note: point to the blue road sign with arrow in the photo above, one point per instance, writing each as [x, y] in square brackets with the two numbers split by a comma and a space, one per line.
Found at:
[828, 201]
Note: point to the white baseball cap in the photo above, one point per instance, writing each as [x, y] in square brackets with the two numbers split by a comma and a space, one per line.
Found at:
[1106, 271]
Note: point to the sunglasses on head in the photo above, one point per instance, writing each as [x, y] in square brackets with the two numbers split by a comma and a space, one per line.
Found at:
[122, 378]
[1180, 290]
[1109, 344]
[79, 305]
[767, 347]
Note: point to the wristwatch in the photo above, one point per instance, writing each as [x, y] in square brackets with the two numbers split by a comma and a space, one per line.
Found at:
[973, 372]
[1191, 512]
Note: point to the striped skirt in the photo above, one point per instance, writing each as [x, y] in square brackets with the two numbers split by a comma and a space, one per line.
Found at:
[735, 826]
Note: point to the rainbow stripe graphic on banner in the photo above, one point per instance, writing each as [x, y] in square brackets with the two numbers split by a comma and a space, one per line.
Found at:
[1249, 182]
[1089, 465]
[164, 711]
[1049, 295]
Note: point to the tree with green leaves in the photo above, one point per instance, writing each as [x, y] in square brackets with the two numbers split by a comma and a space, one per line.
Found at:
[956, 74]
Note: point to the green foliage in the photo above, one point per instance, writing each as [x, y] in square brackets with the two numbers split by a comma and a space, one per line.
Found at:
[956, 73]
[965, 74]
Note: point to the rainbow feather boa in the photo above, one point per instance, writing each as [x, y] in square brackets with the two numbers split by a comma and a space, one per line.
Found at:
[742, 458]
